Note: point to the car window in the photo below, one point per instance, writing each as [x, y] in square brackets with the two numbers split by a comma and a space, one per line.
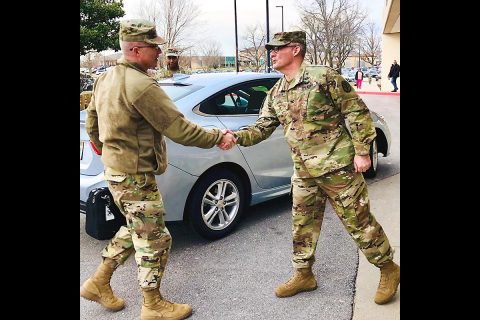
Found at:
[246, 98]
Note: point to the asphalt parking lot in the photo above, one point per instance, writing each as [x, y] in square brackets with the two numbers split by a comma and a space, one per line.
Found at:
[234, 278]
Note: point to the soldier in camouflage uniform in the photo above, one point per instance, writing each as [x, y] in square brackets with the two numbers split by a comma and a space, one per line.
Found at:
[172, 55]
[313, 103]
[128, 117]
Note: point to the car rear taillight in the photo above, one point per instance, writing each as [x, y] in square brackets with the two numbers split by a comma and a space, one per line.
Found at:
[95, 149]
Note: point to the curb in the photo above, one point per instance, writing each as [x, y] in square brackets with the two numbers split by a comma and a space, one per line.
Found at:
[385, 204]
[380, 93]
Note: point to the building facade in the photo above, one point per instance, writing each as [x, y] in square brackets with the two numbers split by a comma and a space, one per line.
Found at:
[390, 41]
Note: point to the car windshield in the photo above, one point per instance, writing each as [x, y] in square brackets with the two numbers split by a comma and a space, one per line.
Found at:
[178, 91]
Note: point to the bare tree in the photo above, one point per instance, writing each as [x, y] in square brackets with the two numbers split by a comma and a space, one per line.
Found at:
[332, 27]
[185, 60]
[314, 44]
[150, 10]
[253, 54]
[92, 59]
[174, 19]
[179, 19]
[210, 55]
[370, 43]
[349, 29]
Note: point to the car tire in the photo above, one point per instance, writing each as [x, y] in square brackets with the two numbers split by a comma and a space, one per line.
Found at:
[372, 171]
[209, 214]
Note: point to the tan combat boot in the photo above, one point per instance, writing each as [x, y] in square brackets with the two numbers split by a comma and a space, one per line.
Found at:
[389, 280]
[302, 280]
[156, 308]
[97, 288]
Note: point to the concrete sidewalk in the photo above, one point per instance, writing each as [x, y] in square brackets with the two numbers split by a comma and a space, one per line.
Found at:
[385, 205]
[373, 88]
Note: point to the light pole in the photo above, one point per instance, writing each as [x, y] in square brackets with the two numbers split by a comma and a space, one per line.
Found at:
[268, 40]
[236, 35]
[358, 53]
[282, 15]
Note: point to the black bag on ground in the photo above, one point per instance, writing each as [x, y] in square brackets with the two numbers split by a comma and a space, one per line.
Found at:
[103, 218]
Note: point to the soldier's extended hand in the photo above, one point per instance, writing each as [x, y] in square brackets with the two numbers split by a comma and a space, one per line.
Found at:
[362, 163]
[228, 140]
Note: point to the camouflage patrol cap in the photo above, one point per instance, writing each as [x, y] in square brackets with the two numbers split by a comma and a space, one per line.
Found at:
[140, 30]
[172, 52]
[284, 38]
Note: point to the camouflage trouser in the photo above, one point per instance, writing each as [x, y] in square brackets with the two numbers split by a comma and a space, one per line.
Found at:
[139, 200]
[347, 192]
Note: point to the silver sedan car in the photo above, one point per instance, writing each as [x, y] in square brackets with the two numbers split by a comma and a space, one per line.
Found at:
[210, 188]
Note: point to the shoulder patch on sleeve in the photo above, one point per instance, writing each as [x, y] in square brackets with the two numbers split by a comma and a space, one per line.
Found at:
[346, 86]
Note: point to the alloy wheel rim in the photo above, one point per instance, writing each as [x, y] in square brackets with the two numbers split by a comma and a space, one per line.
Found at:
[220, 204]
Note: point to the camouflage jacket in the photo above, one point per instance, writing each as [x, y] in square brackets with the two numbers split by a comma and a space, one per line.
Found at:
[165, 73]
[313, 109]
[130, 114]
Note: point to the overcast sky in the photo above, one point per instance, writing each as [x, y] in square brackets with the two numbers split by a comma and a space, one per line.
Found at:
[219, 23]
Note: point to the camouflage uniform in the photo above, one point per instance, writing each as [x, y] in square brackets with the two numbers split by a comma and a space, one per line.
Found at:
[313, 109]
[164, 73]
[138, 198]
[128, 117]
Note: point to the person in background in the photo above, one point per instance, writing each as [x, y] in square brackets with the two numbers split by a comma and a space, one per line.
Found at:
[173, 57]
[128, 117]
[394, 74]
[313, 103]
[359, 78]
[172, 64]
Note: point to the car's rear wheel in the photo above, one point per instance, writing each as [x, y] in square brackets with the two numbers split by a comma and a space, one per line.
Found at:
[372, 171]
[216, 204]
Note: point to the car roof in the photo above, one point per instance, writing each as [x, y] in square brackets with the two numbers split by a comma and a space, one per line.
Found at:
[212, 79]
[209, 84]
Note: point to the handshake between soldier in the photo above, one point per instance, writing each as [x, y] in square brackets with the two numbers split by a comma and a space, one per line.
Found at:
[228, 140]
[327, 164]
